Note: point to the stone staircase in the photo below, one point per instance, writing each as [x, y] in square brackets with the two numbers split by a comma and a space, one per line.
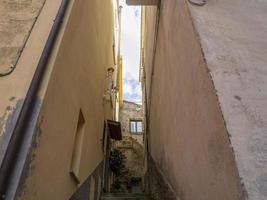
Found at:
[124, 196]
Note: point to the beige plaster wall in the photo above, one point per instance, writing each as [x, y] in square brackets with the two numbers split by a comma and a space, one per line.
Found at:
[188, 137]
[13, 88]
[234, 41]
[149, 21]
[74, 81]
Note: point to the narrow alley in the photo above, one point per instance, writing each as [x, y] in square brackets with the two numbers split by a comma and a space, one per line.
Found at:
[133, 99]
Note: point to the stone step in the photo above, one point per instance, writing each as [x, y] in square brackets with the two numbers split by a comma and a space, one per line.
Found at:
[124, 196]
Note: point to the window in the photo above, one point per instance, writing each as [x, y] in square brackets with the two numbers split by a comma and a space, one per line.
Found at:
[136, 126]
[77, 149]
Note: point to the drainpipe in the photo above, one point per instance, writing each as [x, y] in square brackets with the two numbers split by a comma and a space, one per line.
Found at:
[16, 153]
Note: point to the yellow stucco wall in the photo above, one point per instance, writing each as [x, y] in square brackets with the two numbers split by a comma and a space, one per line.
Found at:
[13, 88]
[74, 81]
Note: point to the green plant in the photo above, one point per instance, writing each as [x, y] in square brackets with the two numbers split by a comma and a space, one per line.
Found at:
[117, 162]
[117, 165]
[118, 186]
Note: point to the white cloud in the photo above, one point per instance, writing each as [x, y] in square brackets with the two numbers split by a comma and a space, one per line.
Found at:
[131, 51]
[132, 90]
[127, 88]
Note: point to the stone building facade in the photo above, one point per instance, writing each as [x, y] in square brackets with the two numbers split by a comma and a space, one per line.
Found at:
[131, 118]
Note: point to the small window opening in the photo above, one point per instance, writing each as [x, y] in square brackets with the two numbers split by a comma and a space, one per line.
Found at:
[136, 126]
[77, 150]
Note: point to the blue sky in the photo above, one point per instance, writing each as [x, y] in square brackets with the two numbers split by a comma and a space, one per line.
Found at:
[130, 48]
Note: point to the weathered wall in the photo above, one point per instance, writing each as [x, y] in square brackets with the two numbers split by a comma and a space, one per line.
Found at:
[234, 41]
[74, 81]
[188, 138]
[17, 20]
[156, 184]
[130, 110]
[13, 88]
[134, 153]
[91, 188]
[131, 144]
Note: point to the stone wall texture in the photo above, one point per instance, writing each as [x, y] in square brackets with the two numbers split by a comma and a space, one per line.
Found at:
[132, 144]
[129, 111]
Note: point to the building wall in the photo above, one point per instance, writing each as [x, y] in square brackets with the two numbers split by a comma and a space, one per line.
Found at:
[74, 82]
[134, 153]
[149, 24]
[235, 52]
[128, 111]
[14, 86]
[132, 144]
[16, 24]
[188, 138]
